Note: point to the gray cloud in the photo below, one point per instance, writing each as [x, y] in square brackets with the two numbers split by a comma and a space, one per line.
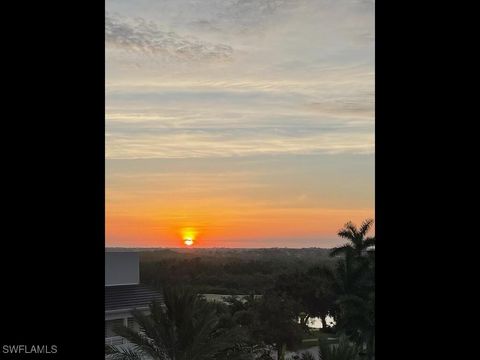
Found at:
[149, 141]
[301, 80]
[247, 13]
[142, 36]
[360, 107]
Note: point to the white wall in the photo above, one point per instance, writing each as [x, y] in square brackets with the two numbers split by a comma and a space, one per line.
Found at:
[121, 268]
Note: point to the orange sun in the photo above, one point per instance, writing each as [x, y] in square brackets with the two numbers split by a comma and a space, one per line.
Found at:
[188, 241]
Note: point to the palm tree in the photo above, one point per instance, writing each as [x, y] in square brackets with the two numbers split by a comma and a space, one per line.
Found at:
[357, 237]
[185, 328]
[355, 285]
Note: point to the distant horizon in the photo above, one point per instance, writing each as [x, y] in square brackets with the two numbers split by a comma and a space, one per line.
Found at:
[216, 248]
[242, 244]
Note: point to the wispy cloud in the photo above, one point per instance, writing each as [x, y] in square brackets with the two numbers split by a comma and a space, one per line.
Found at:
[185, 143]
[142, 36]
[238, 119]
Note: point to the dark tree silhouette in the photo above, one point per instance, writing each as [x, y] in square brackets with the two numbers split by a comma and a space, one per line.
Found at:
[313, 290]
[355, 285]
[276, 323]
[357, 237]
[186, 328]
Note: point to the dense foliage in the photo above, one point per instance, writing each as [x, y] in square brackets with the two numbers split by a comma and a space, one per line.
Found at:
[294, 285]
[187, 328]
[227, 271]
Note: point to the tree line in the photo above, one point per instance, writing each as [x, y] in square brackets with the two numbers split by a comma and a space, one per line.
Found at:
[187, 327]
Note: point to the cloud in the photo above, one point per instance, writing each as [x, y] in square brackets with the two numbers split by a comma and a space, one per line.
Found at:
[198, 143]
[141, 36]
[361, 108]
[297, 77]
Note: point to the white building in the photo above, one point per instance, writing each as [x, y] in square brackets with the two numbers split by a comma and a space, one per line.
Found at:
[124, 292]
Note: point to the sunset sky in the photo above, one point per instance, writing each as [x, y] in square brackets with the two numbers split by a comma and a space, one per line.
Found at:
[239, 123]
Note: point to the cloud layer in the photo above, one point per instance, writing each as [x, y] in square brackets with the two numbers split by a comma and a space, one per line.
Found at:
[250, 120]
[231, 78]
[145, 37]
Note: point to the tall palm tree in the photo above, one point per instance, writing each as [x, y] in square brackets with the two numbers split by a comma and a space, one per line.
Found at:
[357, 237]
[355, 285]
[186, 328]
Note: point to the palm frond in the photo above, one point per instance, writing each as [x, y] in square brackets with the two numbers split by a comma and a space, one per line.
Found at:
[347, 234]
[141, 343]
[186, 327]
[365, 227]
[123, 353]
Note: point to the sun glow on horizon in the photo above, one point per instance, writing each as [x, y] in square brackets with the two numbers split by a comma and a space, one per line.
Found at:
[189, 235]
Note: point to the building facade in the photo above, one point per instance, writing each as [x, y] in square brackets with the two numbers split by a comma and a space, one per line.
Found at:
[124, 293]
